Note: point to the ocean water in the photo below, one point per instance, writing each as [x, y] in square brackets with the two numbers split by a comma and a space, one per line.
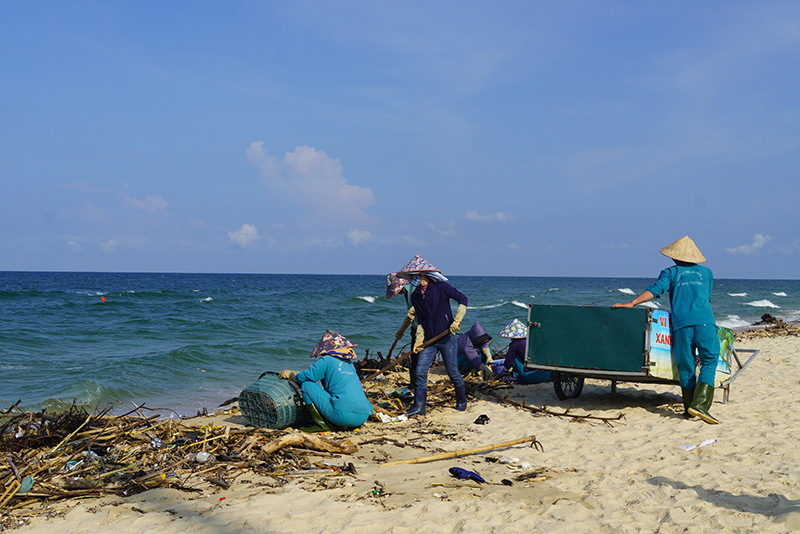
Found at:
[184, 342]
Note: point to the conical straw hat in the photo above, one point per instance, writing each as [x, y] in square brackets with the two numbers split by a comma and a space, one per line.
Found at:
[684, 250]
[514, 330]
[416, 266]
[331, 342]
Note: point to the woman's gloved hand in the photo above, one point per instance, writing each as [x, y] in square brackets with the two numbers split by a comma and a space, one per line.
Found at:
[455, 326]
[419, 340]
[288, 374]
[486, 372]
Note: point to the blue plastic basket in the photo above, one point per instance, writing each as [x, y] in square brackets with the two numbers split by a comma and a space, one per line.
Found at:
[271, 402]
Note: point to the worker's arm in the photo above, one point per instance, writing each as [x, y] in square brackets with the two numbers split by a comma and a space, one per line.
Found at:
[644, 297]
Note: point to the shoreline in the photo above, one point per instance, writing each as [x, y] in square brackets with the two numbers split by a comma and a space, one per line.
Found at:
[630, 475]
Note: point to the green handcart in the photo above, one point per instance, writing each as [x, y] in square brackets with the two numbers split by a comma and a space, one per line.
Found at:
[620, 345]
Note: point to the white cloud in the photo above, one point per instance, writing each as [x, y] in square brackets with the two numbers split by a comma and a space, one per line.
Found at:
[474, 216]
[313, 181]
[151, 203]
[359, 236]
[75, 246]
[512, 246]
[109, 246]
[759, 240]
[246, 236]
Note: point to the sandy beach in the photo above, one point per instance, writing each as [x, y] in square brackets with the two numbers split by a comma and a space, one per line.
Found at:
[631, 475]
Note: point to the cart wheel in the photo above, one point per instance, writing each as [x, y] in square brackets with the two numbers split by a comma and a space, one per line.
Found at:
[567, 386]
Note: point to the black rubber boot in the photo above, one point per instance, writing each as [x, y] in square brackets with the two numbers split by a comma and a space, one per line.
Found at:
[418, 408]
[703, 395]
[688, 397]
[461, 399]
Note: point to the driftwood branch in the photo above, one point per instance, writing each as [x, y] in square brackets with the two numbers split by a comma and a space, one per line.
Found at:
[455, 454]
[545, 410]
[309, 441]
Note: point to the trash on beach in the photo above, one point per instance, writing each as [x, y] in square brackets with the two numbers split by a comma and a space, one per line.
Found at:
[693, 447]
[461, 473]
[388, 419]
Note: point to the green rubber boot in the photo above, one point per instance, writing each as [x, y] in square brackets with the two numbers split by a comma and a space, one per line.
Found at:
[320, 424]
[703, 394]
[688, 397]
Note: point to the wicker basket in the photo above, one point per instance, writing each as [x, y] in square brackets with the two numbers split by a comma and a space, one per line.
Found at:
[271, 402]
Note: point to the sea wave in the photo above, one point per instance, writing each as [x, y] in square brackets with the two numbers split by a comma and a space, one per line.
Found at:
[650, 304]
[520, 304]
[207, 299]
[780, 294]
[626, 290]
[371, 300]
[487, 307]
[732, 321]
[762, 304]
[737, 294]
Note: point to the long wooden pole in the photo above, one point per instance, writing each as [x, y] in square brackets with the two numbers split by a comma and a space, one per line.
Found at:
[403, 356]
[456, 454]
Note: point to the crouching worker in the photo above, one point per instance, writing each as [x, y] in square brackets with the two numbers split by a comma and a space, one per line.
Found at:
[474, 352]
[340, 399]
[515, 355]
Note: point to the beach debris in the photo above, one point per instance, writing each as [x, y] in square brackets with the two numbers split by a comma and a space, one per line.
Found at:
[309, 441]
[548, 411]
[775, 327]
[482, 419]
[47, 457]
[693, 447]
[461, 473]
[455, 454]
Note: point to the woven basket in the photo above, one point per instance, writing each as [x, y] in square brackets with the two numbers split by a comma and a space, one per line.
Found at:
[271, 402]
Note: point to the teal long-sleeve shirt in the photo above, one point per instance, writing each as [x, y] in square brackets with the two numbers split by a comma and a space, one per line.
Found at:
[689, 287]
[339, 378]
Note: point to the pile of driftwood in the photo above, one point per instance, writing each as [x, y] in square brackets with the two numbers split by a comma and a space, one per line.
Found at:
[46, 457]
[772, 327]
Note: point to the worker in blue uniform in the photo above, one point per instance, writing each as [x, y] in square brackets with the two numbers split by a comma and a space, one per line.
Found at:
[693, 324]
[331, 386]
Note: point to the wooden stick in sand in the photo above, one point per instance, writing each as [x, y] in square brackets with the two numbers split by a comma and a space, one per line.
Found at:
[403, 356]
[456, 454]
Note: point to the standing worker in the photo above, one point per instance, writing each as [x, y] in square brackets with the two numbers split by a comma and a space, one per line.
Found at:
[394, 286]
[693, 323]
[431, 308]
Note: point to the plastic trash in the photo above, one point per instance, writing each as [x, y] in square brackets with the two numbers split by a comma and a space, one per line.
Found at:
[202, 457]
[508, 460]
[157, 443]
[461, 473]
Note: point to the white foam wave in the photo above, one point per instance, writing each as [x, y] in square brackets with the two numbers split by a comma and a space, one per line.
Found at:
[650, 304]
[780, 294]
[732, 321]
[207, 299]
[487, 307]
[520, 304]
[762, 304]
[553, 289]
[737, 294]
[368, 299]
[626, 291]
[533, 296]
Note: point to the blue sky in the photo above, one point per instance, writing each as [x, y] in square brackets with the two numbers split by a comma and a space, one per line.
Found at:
[568, 138]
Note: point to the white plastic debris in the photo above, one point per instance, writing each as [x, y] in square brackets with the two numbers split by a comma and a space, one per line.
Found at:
[693, 447]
